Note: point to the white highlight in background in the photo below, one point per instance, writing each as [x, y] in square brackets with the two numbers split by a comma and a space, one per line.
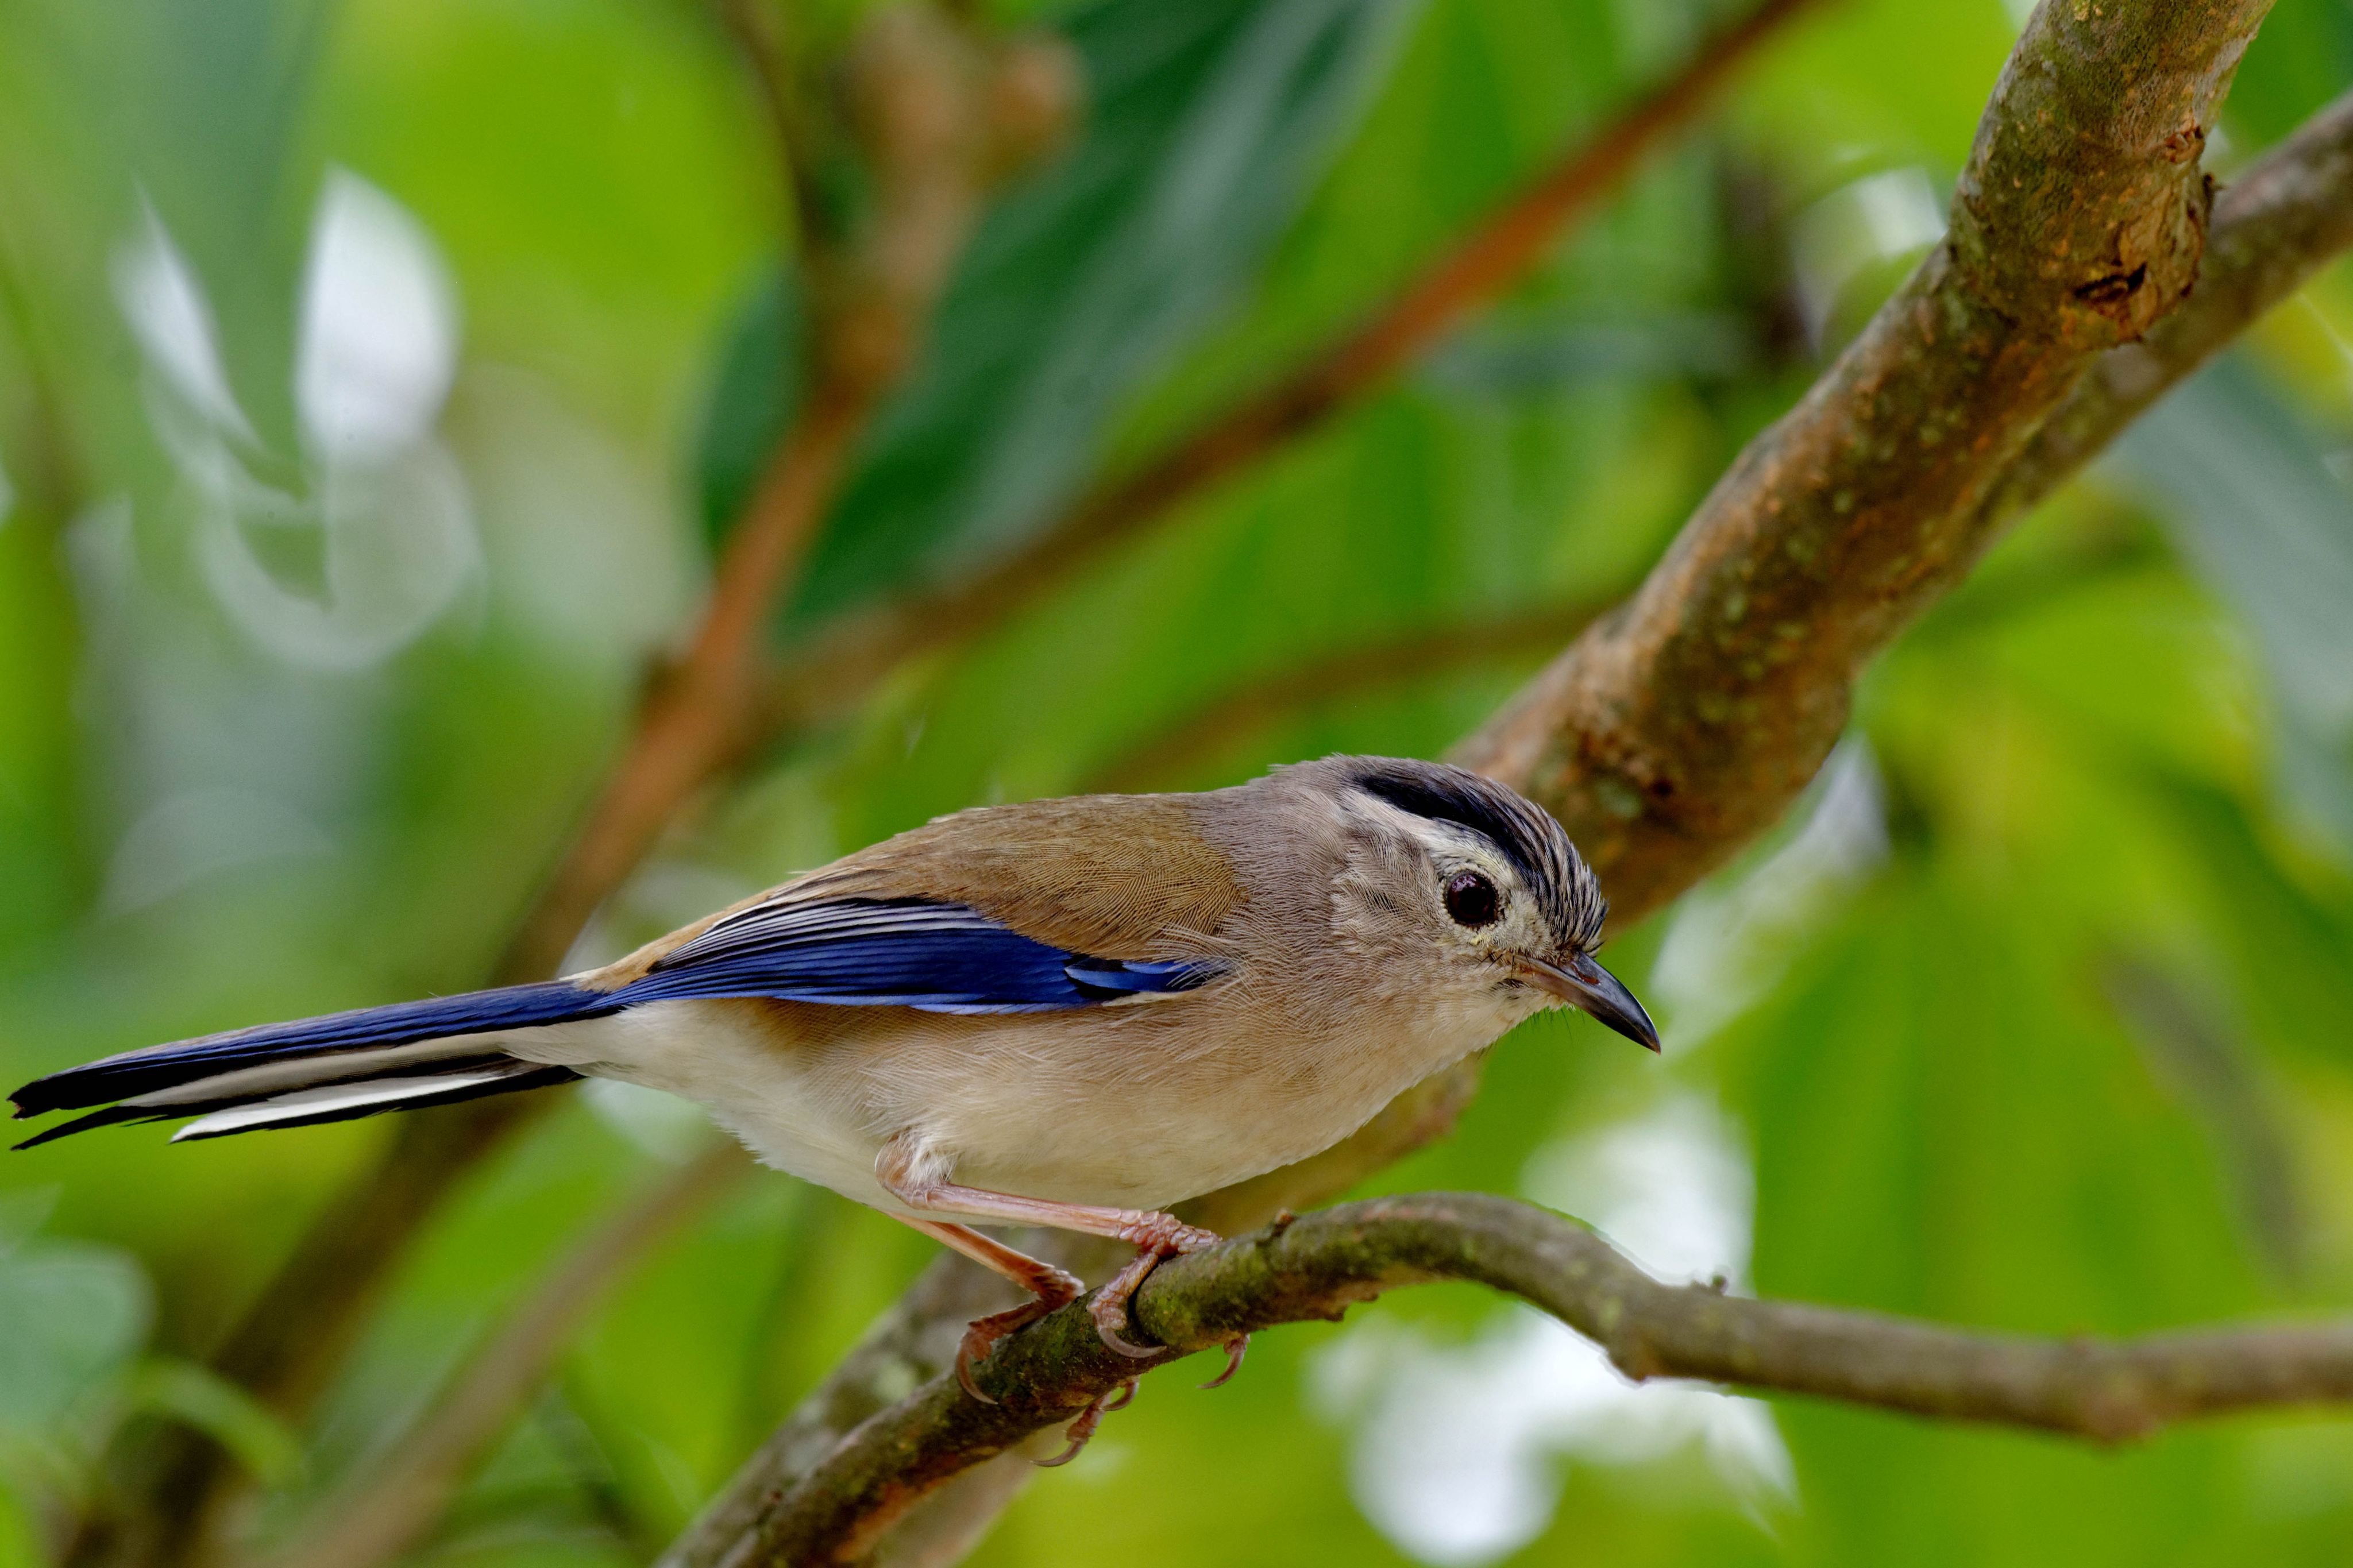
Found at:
[379, 327]
[1863, 222]
[1726, 945]
[1458, 1450]
[376, 351]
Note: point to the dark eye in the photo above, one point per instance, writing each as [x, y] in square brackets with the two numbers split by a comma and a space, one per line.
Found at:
[1471, 899]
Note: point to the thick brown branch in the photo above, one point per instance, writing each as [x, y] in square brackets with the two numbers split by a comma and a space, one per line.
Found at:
[848, 662]
[398, 1495]
[2274, 225]
[1674, 730]
[1317, 1267]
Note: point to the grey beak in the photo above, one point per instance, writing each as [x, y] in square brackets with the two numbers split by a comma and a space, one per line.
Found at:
[1583, 984]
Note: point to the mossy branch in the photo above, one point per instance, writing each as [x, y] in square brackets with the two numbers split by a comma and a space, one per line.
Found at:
[1318, 1265]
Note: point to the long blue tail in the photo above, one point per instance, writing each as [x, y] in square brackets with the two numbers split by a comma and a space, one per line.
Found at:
[329, 1069]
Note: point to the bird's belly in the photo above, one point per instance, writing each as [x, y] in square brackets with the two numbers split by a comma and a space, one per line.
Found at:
[1187, 1137]
[1133, 1113]
[783, 1104]
[1079, 1117]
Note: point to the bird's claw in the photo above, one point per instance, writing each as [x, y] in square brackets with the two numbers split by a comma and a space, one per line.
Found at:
[1110, 1315]
[1236, 1348]
[1083, 1430]
[965, 1358]
[1109, 1308]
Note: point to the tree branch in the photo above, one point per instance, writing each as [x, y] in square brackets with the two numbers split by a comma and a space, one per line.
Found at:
[2289, 214]
[1931, 393]
[1317, 1267]
[1418, 655]
[1676, 731]
[849, 660]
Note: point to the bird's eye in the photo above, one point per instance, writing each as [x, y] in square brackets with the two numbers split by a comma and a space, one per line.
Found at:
[1471, 899]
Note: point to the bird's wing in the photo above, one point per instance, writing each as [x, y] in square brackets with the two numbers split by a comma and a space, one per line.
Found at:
[1098, 879]
[1120, 876]
[935, 956]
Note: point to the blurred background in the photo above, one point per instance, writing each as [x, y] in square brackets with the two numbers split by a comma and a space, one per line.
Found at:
[376, 374]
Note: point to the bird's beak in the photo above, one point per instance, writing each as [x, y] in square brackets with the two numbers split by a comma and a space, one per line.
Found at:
[1583, 984]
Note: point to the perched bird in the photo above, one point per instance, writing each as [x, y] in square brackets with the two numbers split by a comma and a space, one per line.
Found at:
[1066, 1013]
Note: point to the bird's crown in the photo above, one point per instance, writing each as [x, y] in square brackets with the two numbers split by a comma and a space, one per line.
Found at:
[1523, 832]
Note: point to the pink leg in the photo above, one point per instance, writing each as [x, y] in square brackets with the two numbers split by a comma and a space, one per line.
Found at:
[1155, 1236]
[1052, 1287]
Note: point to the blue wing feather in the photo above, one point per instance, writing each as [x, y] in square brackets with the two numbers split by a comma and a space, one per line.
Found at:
[1120, 977]
[906, 953]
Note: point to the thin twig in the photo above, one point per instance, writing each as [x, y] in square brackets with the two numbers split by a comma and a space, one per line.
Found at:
[849, 660]
[695, 716]
[1317, 1268]
[870, 297]
[1420, 655]
[396, 1496]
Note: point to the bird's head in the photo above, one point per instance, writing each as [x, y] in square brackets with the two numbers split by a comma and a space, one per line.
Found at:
[1484, 882]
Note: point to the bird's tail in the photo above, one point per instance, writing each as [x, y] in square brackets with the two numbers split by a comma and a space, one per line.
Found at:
[331, 1069]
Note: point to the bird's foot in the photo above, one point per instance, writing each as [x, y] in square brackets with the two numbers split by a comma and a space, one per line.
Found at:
[1155, 1235]
[1055, 1290]
[1082, 1429]
[981, 1335]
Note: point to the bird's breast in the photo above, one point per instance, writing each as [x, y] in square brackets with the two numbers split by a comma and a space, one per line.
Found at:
[1144, 1105]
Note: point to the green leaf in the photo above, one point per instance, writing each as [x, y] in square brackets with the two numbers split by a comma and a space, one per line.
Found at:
[1948, 1124]
[1206, 125]
[2250, 497]
[208, 1402]
[752, 399]
[70, 1315]
[213, 108]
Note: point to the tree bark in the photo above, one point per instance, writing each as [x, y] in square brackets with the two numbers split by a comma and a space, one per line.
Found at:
[1682, 725]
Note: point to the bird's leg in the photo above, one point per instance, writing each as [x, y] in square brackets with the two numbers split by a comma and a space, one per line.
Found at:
[1154, 1235]
[1052, 1287]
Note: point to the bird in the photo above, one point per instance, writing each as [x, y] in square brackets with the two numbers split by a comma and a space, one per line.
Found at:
[1071, 1013]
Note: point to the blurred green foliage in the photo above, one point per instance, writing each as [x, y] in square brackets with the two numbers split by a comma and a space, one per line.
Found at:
[263, 752]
